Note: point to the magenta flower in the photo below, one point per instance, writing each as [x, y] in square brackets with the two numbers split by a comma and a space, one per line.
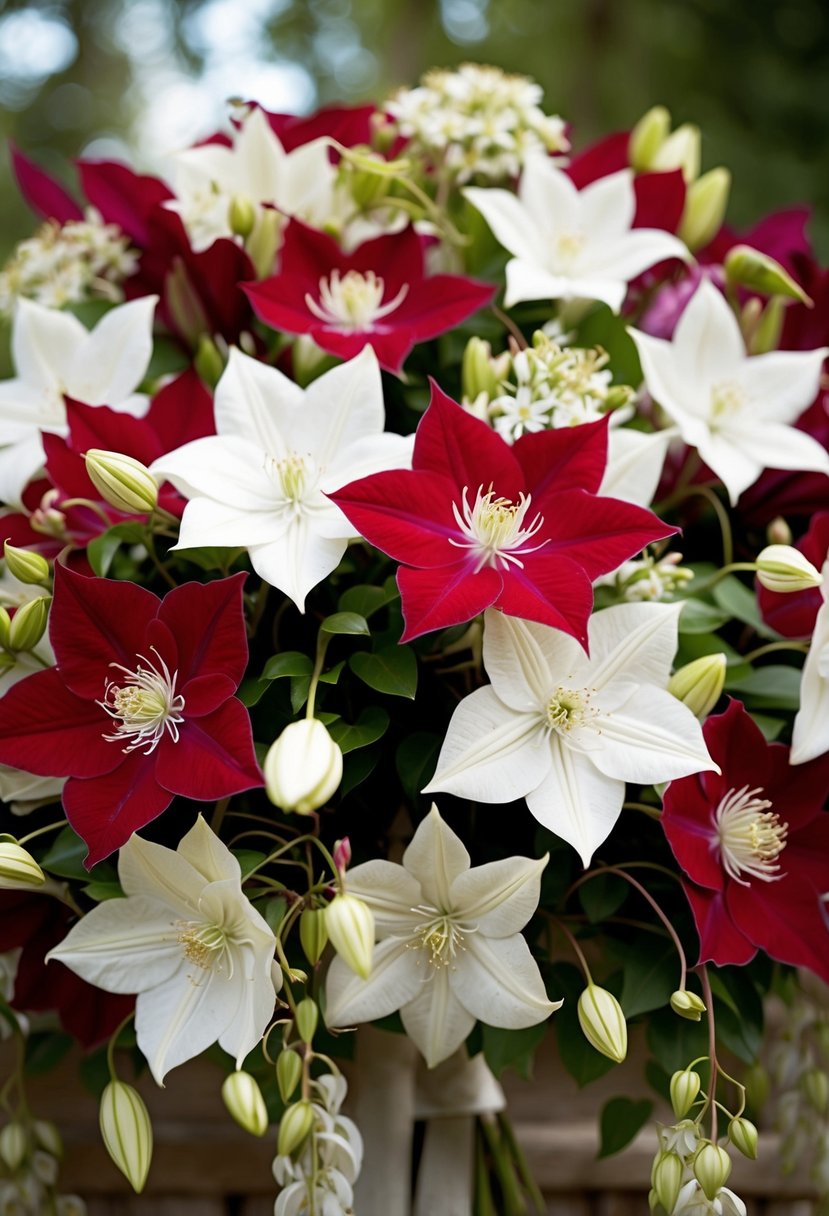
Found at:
[140, 706]
[754, 841]
[377, 296]
[477, 522]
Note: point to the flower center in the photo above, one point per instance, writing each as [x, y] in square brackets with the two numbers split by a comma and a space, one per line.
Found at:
[495, 528]
[295, 476]
[440, 936]
[204, 944]
[567, 247]
[353, 301]
[727, 399]
[147, 705]
[749, 836]
[568, 708]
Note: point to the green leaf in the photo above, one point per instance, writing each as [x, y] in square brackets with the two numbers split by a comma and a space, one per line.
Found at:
[103, 548]
[65, 858]
[369, 727]
[366, 599]
[739, 1012]
[416, 761]
[772, 687]
[390, 669]
[100, 891]
[512, 1048]
[699, 617]
[299, 691]
[651, 975]
[357, 768]
[44, 1051]
[740, 602]
[674, 1040]
[248, 859]
[771, 727]
[345, 622]
[602, 896]
[620, 1121]
[333, 674]
[288, 663]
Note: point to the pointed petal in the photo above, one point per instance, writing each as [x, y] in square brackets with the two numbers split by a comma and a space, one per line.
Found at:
[255, 1000]
[776, 446]
[551, 589]
[567, 458]
[113, 359]
[298, 560]
[635, 642]
[599, 533]
[213, 757]
[46, 729]
[179, 1018]
[787, 919]
[651, 737]
[687, 401]
[576, 801]
[720, 940]
[226, 468]
[783, 383]
[166, 876]
[390, 891]
[435, 1020]
[341, 407]
[450, 595]
[255, 402]
[123, 945]
[810, 737]
[508, 217]
[395, 980]
[724, 453]
[406, 514]
[625, 257]
[372, 454]
[464, 450]
[206, 522]
[435, 857]
[501, 896]
[497, 980]
[44, 342]
[526, 280]
[608, 205]
[209, 855]
[208, 622]
[106, 810]
[707, 342]
[525, 661]
[439, 303]
[634, 465]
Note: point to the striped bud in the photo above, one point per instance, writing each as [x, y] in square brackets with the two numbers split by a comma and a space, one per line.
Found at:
[350, 924]
[685, 1085]
[699, 684]
[712, 1165]
[743, 1135]
[14, 1144]
[295, 1125]
[706, 201]
[26, 565]
[28, 624]
[18, 869]
[307, 1018]
[667, 1179]
[288, 1073]
[687, 1005]
[603, 1022]
[123, 482]
[243, 1099]
[784, 569]
[127, 1132]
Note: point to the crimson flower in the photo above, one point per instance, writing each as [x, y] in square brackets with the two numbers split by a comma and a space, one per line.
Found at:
[140, 706]
[377, 295]
[794, 614]
[754, 841]
[477, 522]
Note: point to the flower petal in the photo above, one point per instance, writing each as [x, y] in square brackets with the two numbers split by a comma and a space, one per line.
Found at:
[450, 595]
[205, 852]
[651, 737]
[123, 945]
[390, 891]
[46, 729]
[178, 1019]
[501, 896]
[298, 560]
[113, 358]
[810, 737]
[167, 876]
[213, 757]
[208, 622]
[435, 857]
[525, 660]
[256, 402]
[106, 810]
[395, 980]
[340, 407]
[634, 641]
[576, 801]
[435, 1020]
[497, 980]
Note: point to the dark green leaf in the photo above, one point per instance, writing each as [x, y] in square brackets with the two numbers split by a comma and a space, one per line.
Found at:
[45, 1051]
[299, 691]
[345, 622]
[602, 896]
[416, 760]
[512, 1048]
[674, 1040]
[369, 727]
[621, 1120]
[366, 599]
[391, 669]
[103, 548]
[288, 663]
[651, 975]
[357, 767]
[773, 687]
[248, 859]
[333, 674]
[100, 891]
[739, 601]
[699, 617]
[65, 858]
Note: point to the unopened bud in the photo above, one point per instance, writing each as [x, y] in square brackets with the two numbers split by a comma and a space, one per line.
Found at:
[778, 532]
[5, 627]
[783, 569]
[306, 1018]
[747, 267]
[647, 137]
[815, 1086]
[262, 244]
[681, 150]
[14, 1144]
[712, 1165]
[687, 1004]
[295, 1125]
[26, 565]
[603, 1022]
[243, 1099]
[208, 362]
[313, 934]
[48, 1137]
[685, 1085]
[667, 1179]
[44, 1167]
[699, 684]
[288, 1073]
[706, 201]
[70, 1205]
[127, 1132]
[654, 1206]
[368, 182]
[743, 1135]
[350, 924]
[342, 854]
[303, 767]
[122, 481]
[28, 624]
[477, 371]
[18, 869]
[764, 335]
[241, 216]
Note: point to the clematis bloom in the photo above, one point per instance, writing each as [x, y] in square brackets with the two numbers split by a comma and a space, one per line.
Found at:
[140, 706]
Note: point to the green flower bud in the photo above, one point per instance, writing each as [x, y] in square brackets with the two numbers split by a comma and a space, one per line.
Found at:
[747, 267]
[350, 925]
[654, 1205]
[208, 362]
[263, 242]
[186, 309]
[123, 482]
[758, 1085]
[18, 869]
[603, 1022]
[243, 1099]
[681, 150]
[307, 1018]
[26, 565]
[241, 216]
[784, 569]
[367, 179]
[295, 1125]
[14, 1144]
[303, 768]
[743, 1135]
[815, 1086]
[28, 624]
[699, 684]
[706, 202]
[477, 371]
[712, 1165]
[5, 627]
[687, 1004]
[288, 1073]
[764, 335]
[685, 1085]
[127, 1132]
[647, 137]
[313, 934]
[667, 1179]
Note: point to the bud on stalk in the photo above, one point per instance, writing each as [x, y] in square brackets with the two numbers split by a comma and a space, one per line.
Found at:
[743, 1135]
[350, 924]
[28, 624]
[313, 934]
[603, 1022]
[288, 1073]
[667, 1179]
[706, 201]
[26, 565]
[14, 1144]
[123, 482]
[295, 1125]
[127, 1132]
[784, 569]
[712, 1165]
[699, 684]
[243, 1099]
[685, 1085]
[303, 767]
[687, 1005]
[18, 869]
[748, 267]
[647, 137]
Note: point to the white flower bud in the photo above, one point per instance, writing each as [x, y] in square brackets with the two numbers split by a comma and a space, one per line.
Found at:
[14, 1144]
[18, 869]
[26, 565]
[603, 1022]
[712, 1165]
[350, 924]
[687, 1004]
[48, 1137]
[685, 1085]
[303, 767]
[127, 1132]
[782, 568]
[778, 532]
[667, 1179]
[243, 1099]
[699, 684]
[123, 482]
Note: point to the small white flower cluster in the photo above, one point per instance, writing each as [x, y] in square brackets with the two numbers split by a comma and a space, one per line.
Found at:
[476, 122]
[319, 1180]
[29, 1162]
[650, 579]
[68, 264]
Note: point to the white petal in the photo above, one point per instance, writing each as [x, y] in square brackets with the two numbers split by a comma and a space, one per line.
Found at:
[390, 891]
[634, 464]
[208, 854]
[628, 255]
[259, 161]
[529, 280]
[633, 641]
[24, 407]
[501, 896]
[44, 342]
[341, 407]
[370, 454]
[395, 980]
[255, 1004]
[436, 856]
[776, 446]
[18, 464]
[497, 980]
[123, 945]
[149, 869]
[707, 341]
[685, 399]
[179, 1018]
[510, 221]
[810, 737]
[607, 206]
[113, 359]
[552, 202]
[226, 468]
[298, 560]
[724, 454]
[525, 660]
[256, 402]
[652, 737]
[576, 801]
[210, 523]
[435, 1020]
[782, 383]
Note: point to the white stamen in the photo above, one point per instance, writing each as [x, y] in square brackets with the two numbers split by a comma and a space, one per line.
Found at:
[495, 528]
[353, 302]
[147, 705]
[440, 936]
[749, 837]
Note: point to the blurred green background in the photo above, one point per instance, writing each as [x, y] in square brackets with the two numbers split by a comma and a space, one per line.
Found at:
[138, 79]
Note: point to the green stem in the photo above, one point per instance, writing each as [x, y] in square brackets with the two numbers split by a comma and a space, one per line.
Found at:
[653, 811]
[50, 827]
[707, 584]
[708, 997]
[323, 641]
[574, 944]
[770, 647]
[113, 1075]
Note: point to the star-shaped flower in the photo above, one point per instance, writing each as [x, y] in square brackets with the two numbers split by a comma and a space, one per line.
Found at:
[734, 409]
[567, 243]
[450, 949]
[566, 731]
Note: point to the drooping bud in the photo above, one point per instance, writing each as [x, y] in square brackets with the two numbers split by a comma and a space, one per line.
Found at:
[681, 150]
[127, 1132]
[241, 216]
[747, 267]
[784, 569]
[699, 684]
[667, 1179]
[243, 1099]
[350, 924]
[307, 1018]
[603, 1022]
[18, 869]
[295, 1125]
[288, 1073]
[368, 181]
[712, 1165]
[815, 1086]
[303, 767]
[208, 361]
[685, 1085]
[687, 1004]
[778, 532]
[757, 1083]
[14, 1144]
[122, 481]
[654, 1206]
[743, 1135]
[647, 137]
[26, 565]
[28, 624]
[706, 201]
[313, 934]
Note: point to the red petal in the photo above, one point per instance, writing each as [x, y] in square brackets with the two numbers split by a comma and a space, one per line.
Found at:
[551, 589]
[46, 729]
[280, 302]
[204, 694]
[784, 918]
[106, 810]
[122, 196]
[687, 820]
[406, 514]
[720, 940]
[569, 458]
[607, 156]
[181, 411]
[349, 125]
[437, 599]
[439, 303]
[596, 532]
[660, 200]
[213, 758]
[208, 622]
[463, 449]
[45, 196]
[390, 345]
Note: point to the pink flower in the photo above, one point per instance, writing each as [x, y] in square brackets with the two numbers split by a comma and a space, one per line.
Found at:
[377, 296]
[754, 842]
[478, 522]
[140, 706]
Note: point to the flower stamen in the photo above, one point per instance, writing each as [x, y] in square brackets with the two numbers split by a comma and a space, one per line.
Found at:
[494, 526]
[354, 301]
[147, 705]
[440, 935]
[750, 838]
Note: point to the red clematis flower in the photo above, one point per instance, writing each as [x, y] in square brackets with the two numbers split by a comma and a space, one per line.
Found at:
[377, 296]
[794, 614]
[478, 522]
[754, 841]
[140, 706]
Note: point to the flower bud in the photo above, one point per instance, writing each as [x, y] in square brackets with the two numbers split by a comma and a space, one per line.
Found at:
[764, 335]
[654, 1205]
[681, 150]
[477, 371]
[699, 684]
[342, 854]
[367, 180]
[5, 627]
[26, 565]
[313, 934]
[70, 1205]
[778, 532]
[288, 1073]
[685, 1085]
[815, 1086]
[263, 242]
[747, 267]
[687, 1004]
[295, 1125]
[241, 216]
[603, 1022]
[243, 1099]
[706, 201]
[647, 137]
[743, 1135]
[28, 624]
[48, 1137]
[18, 869]
[303, 767]
[306, 1018]
[667, 1179]
[44, 1167]
[350, 925]
[127, 1132]
[14, 1144]
[123, 482]
[782, 568]
[712, 1165]
[208, 362]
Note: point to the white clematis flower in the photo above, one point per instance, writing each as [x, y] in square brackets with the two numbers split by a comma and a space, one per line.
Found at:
[261, 482]
[571, 244]
[735, 409]
[810, 737]
[450, 949]
[566, 731]
[189, 942]
[56, 356]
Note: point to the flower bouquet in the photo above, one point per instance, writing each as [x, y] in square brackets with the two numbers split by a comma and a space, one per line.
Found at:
[413, 614]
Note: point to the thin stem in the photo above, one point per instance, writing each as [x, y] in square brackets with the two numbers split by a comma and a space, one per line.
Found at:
[722, 518]
[708, 997]
[50, 827]
[509, 325]
[653, 811]
[574, 944]
[323, 641]
[770, 647]
[720, 574]
[113, 1075]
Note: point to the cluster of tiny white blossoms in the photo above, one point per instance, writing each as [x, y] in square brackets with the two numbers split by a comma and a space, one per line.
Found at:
[321, 1176]
[476, 122]
[29, 1162]
[651, 579]
[68, 264]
